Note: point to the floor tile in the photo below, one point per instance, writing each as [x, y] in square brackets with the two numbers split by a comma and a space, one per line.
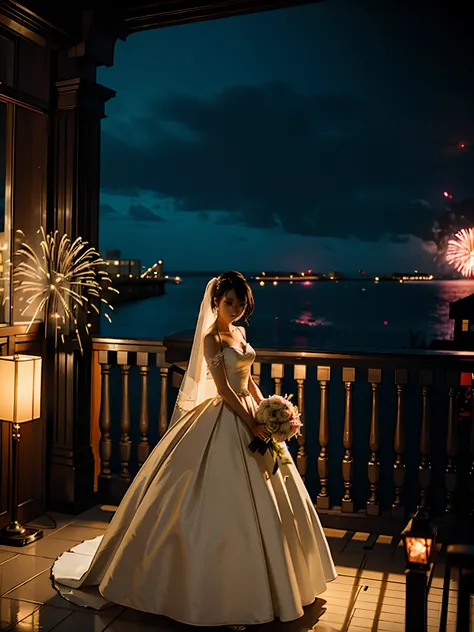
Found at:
[368, 594]
[40, 590]
[87, 621]
[51, 521]
[43, 619]
[134, 621]
[12, 611]
[20, 569]
[77, 533]
[6, 555]
[98, 517]
[50, 548]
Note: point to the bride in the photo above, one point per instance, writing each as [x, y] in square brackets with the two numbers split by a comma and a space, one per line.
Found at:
[205, 534]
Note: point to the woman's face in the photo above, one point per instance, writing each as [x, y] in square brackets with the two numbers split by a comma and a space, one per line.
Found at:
[231, 308]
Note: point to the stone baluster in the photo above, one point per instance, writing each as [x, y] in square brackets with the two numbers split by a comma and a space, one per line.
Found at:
[256, 372]
[323, 376]
[143, 448]
[348, 377]
[164, 371]
[471, 459]
[105, 445]
[398, 509]
[373, 505]
[424, 469]
[300, 377]
[163, 421]
[125, 444]
[451, 442]
[277, 375]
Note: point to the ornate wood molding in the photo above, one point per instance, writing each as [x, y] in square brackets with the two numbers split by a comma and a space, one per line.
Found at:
[25, 22]
[139, 17]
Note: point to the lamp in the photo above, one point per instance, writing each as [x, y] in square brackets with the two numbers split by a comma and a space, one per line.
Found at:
[20, 382]
[419, 540]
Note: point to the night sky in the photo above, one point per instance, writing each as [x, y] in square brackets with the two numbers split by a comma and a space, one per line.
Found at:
[319, 137]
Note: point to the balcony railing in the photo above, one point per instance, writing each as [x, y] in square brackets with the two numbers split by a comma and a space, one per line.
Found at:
[383, 432]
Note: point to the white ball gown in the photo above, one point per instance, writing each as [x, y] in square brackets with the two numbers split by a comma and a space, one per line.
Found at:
[205, 534]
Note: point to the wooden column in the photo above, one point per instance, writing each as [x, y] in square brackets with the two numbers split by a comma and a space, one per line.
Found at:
[373, 467]
[424, 469]
[450, 476]
[398, 507]
[73, 208]
[347, 503]
[300, 377]
[323, 500]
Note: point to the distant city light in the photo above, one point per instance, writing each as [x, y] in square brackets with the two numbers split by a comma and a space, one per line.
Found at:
[262, 283]
[275, 282]
[447, 195]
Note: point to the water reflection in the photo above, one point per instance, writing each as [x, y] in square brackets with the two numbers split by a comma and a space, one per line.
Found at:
[307, 319]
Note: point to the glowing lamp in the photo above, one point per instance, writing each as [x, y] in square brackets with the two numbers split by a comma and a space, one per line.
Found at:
[419, 539]
[20, 379]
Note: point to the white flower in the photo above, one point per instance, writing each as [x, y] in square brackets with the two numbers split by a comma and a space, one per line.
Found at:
[263, 411]
[282, 415]
[272, 426]
[277, 402]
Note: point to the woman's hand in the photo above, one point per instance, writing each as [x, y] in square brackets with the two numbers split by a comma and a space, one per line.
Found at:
[259, 430]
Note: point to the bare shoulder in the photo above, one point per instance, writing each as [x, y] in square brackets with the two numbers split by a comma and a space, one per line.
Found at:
[211, 341]
[243, 332]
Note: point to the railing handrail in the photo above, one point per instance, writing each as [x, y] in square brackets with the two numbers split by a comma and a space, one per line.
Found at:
[150, 345]
[407, 358]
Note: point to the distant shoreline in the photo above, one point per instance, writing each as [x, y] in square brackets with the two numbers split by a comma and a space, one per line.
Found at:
[281, 277]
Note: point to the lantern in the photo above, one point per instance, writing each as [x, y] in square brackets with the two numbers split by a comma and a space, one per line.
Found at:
[419, 539]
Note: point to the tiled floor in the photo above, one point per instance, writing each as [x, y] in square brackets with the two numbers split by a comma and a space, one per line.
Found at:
[368, 595]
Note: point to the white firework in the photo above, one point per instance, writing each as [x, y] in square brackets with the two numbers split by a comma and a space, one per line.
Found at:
[64, 282]
[460, 252]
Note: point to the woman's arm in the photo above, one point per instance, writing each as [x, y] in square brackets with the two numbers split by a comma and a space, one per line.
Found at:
[212, 349]
[254, 390]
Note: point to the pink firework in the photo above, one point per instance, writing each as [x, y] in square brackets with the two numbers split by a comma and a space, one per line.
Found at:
[460, 252]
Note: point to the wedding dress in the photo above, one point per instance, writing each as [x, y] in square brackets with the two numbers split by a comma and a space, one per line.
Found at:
[205, 534]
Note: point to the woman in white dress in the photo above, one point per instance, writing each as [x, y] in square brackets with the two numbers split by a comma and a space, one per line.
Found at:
[206, 535]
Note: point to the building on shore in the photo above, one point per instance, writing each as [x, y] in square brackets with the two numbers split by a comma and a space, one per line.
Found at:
[117, 267]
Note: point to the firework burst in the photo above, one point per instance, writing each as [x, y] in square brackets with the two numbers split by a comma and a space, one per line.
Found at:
[63, 283]
[460, 252]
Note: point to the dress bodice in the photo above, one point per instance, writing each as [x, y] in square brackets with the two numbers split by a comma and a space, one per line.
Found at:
[237, 364]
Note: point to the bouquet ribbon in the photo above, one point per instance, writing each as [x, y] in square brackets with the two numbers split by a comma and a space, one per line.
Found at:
[261, 446]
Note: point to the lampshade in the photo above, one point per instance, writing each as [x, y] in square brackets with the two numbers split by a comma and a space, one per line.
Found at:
[20, 388]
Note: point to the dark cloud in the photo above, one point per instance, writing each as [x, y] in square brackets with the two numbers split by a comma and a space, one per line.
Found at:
[106, 209]
[324, 165]
[204, 216]
[229, 219]
[142, 213]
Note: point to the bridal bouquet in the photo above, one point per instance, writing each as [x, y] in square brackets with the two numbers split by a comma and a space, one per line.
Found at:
[281, 419]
